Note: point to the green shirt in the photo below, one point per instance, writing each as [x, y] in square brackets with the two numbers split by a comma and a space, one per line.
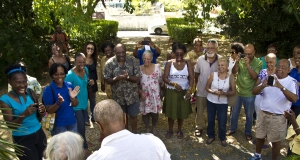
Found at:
[244, 82]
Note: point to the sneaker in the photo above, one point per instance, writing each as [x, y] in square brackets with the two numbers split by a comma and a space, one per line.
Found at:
[255, 157]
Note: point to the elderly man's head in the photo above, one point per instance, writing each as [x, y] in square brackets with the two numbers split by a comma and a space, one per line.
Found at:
[109, 117]
[120, 52]
[283, 68]
[66, 145]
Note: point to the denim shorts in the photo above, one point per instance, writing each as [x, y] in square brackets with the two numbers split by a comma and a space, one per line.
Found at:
[132, 109]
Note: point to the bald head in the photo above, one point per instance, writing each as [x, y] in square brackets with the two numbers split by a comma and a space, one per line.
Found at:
[249, 51]
[284, 62]
[120, 45]
[108, 112]
[250, 46]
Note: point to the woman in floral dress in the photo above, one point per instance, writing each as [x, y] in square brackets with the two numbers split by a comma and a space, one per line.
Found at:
[150, 85]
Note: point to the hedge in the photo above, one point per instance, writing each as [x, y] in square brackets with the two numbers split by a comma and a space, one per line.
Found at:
[101, 30]
[181, 31]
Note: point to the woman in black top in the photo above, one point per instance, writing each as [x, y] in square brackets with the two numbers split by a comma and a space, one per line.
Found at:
[91, 53]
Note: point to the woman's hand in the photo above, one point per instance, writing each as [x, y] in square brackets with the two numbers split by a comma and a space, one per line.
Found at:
[60, 99]
[42, 108]
[91, 82]
[29, 110]
[178, 87]
[187, 95]
[75, 91]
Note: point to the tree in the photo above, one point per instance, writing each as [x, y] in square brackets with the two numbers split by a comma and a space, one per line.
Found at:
[20, 38]
[75, 15]
[263, 27]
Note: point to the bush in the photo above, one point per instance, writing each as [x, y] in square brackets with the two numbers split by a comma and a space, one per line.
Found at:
[181, 31]
[100, 31]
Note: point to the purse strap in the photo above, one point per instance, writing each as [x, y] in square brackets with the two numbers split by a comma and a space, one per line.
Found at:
[230, 80]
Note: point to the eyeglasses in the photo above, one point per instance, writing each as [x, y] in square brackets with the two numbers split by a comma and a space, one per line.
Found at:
[281, 67]
[90, 48]
[59, 74]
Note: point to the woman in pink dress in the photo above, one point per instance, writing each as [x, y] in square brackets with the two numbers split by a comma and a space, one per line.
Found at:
[150, 85]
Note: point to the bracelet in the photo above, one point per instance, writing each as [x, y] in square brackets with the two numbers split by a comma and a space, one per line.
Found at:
[175, 85]
[296, 128]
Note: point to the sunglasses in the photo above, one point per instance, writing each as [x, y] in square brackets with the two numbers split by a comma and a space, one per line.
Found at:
[90, 48]
[232, 52]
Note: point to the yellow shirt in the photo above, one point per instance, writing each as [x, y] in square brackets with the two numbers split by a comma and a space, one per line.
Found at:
[294, 138]
[193, 56]
[107, 86]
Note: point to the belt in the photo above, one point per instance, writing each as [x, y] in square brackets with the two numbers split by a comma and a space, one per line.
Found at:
[272, 114]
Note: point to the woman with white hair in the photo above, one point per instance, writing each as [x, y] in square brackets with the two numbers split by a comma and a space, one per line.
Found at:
[67, 145]
[150, 83]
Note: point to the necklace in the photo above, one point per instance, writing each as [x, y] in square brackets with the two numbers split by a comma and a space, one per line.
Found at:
[178, 63]
[219, 84]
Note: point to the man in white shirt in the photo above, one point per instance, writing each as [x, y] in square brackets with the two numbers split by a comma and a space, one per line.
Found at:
[276, 99]
[119, 143]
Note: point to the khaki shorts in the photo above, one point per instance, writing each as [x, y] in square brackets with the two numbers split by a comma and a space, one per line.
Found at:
[271, 126]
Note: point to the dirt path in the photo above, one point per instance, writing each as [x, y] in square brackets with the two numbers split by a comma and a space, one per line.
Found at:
[190, 147]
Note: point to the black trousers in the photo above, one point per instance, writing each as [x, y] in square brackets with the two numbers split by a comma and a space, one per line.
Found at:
[34, 145]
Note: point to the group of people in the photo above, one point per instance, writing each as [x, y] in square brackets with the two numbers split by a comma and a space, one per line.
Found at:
[137, 85]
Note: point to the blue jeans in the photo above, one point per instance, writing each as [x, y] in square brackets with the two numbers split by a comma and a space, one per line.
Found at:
[220, 110]
[60, 129]
[80, 117]
[248, 103]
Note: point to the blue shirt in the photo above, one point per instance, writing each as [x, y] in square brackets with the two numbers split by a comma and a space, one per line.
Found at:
[140, 53]
[65, 115]
[294, 73]
[30, 124]
[82, 83]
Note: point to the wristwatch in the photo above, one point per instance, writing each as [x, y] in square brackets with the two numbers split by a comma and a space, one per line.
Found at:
[128, 77]
[283, 89]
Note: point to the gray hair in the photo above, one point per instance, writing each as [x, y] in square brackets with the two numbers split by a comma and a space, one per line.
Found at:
[213, 41]
[272, 56]
[108, 112]
[65, 146]
[149, 53]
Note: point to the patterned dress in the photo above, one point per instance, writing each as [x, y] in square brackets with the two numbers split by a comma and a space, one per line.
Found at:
[151, 88]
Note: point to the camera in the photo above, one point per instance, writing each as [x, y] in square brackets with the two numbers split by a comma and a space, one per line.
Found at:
[242, 55]
[145, 42]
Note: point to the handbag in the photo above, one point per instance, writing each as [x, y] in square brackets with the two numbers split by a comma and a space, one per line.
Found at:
[48, 121]
[231, 99]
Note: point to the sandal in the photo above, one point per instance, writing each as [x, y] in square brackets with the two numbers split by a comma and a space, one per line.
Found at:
[179, 135]
[198, 132]
[210, 140]
[248, 137]
[169, 134]
[224, 143]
